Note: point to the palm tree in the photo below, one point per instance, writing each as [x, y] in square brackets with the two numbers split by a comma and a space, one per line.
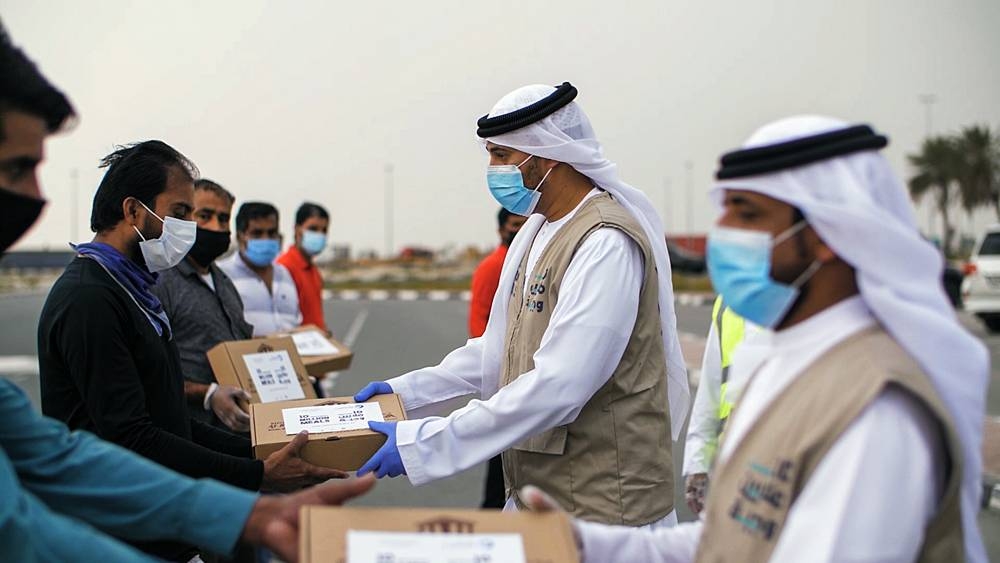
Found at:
[936, 167]
[978, 172]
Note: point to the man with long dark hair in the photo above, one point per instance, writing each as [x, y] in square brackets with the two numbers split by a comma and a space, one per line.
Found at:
[62, 493]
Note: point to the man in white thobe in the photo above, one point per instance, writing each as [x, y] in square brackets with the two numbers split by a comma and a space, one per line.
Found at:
[579, 375]
[811, 201]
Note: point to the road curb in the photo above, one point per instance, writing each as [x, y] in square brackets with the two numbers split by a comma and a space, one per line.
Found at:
[688, 299]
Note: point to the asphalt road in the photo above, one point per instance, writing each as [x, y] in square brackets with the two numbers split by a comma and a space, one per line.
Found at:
[392, 337]
[387, 337]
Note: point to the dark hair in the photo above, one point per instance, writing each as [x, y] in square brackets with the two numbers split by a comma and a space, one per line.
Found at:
[502, 217]
[23, 88]
[139, 170]
[253, 210]
[210, 186]
[309, 210]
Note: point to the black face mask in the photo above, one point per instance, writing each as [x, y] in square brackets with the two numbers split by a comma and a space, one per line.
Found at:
[17, 214]
[209, 245]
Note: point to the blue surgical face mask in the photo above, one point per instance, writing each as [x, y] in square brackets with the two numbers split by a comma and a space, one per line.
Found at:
[739, 263]
[313, 242]
[507, 186]
[262, 251]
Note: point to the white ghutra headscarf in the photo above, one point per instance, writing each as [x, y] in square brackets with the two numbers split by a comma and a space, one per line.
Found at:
[566, 136]
[861, 210]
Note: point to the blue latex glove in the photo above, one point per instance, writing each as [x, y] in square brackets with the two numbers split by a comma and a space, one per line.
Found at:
[386, 461]
[372, 389]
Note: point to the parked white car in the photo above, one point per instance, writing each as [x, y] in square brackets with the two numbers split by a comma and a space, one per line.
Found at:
[981, 287]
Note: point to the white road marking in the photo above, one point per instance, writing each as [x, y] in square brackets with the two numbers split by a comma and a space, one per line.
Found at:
[355, 328]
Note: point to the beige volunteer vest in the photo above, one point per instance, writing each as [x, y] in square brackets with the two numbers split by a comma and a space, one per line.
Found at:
[753, 490]
[613, 463]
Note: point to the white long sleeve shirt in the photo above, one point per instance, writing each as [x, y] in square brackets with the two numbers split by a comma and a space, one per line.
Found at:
[703, 428]
[868, 500]
[702, 440]
[582, 346]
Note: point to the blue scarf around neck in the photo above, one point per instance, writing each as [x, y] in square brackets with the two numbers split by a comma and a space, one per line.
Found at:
[134, 278]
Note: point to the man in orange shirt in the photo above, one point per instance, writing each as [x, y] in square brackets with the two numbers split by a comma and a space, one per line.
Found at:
[487, 275]
[311, 224]
[485, 280]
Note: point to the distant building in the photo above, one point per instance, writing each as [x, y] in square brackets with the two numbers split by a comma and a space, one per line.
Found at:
[689, 244]
[416, 253]
[367, 254]
[341, 252]
[472, 254]
[687, 253]
[35, 261]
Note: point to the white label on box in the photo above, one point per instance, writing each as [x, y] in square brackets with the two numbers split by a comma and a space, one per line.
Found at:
[331, 418]
[400, 547]
[313, 343]
[273, 376]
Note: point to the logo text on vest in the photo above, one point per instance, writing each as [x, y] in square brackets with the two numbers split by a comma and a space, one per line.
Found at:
[535, 302]
[764, 490]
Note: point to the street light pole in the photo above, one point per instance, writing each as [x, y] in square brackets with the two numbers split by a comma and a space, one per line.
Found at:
[928, 100]
[689, 223]
[389, 246]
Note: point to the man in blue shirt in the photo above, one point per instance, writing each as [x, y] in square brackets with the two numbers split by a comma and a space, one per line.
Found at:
[61, 492]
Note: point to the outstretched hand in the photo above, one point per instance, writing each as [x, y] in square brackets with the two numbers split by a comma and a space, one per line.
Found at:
[274, 520]
[536, 500]
[386, 462]
[372, 389]
[286, 471]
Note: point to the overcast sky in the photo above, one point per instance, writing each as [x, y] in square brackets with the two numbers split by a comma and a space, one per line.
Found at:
[308, 100]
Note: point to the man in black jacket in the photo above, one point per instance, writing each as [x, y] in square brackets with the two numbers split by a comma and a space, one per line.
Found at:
[107, 359]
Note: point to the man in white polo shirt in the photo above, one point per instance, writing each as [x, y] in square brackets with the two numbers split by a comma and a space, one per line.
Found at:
[270, 300]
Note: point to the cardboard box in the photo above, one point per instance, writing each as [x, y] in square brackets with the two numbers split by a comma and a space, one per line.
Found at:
[319, 366]
[547, 538]
[229, 363]
[347, 450]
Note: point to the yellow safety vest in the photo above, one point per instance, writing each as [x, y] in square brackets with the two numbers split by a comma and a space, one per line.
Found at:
[729, 328]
